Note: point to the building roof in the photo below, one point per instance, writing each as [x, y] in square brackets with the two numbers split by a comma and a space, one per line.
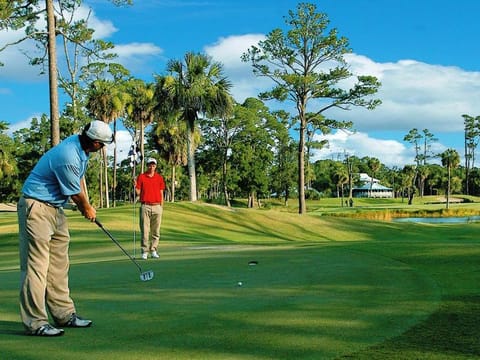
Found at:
[366, 178]
[374, 186]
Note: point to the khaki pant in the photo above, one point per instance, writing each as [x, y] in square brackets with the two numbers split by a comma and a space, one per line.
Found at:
[150, 222]
[44, 264]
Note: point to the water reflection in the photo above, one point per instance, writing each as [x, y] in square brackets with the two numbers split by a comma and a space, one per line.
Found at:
[429, 220]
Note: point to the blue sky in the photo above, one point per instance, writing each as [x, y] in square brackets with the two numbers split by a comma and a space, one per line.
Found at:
[425, 53]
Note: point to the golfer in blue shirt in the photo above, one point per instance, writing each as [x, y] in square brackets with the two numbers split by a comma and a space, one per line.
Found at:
[43, 230]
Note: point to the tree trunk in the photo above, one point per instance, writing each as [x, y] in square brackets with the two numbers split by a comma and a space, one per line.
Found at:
[53, 75]
[142, 147]
[251, 200]
[191, 162]
[287, 196]
[224, 182]
[301, 167]
[105, 171]
[466, 164]
[341, 192]
[172, 191]
[448, 187]
[134, 177]
[100, 183]
[114, 186]
[411, 194]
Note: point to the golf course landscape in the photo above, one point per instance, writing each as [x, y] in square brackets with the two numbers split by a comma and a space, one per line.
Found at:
[268, 283]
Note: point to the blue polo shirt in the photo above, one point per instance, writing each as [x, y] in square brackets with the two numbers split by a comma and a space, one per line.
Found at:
[57, 174]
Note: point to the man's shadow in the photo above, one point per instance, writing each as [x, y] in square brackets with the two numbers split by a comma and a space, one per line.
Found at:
[11, 328]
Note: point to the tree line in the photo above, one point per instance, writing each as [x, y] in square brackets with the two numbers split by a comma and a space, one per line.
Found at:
[248, 155]
[209, 145]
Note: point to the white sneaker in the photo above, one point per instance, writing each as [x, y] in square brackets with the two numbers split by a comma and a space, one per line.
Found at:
[46, 330]
[144, 256]
[155, 255]
[77, 321]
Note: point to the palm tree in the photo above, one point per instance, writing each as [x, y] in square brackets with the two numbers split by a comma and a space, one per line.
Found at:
[106, 102]
[170, 143]
[195, 87]
[341, 178]
[409, 174]
[140, 109]
[7, 160]
[374, 164]
[423, 173]
[451, 160]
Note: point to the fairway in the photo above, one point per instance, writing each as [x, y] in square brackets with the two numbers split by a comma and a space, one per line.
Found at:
[310, 302]
[322, 288]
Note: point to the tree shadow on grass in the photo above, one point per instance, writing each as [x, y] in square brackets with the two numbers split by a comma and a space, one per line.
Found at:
[452, 332]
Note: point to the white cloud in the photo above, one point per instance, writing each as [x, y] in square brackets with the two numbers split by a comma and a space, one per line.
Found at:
[415, 95]
[16, 66]
[24, 124]
[137, 49]
[123, 142]
[390, 152]
[136, 56]
[228, 51]
[103, 28]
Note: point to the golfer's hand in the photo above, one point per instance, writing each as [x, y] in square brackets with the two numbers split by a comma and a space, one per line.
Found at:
[90, 213]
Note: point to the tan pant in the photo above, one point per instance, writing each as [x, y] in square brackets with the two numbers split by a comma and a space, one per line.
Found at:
[150, 222]
[44, 264]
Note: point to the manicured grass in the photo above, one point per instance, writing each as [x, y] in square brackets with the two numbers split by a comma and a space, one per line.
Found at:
[324, 288]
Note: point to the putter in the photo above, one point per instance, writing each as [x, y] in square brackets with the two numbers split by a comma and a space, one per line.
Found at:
[144, 276]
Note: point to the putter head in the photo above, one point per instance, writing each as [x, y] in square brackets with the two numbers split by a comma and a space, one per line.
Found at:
[146, 276]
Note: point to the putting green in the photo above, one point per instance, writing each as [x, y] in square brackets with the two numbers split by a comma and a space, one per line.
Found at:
[311, 302]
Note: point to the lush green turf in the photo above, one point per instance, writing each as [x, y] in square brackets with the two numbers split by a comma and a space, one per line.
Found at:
[324, 288]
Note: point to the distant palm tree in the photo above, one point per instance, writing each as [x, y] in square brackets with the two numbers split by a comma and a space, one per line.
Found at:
[7, 161]
[106, 102]
[170, 142]
[409, 173]
[141, 109]
[341, 178]
[451, 160]
[374, 164]
[423, 173]
[195, 87]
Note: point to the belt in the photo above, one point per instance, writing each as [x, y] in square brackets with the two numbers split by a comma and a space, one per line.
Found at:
[43, 202]
[150, 203]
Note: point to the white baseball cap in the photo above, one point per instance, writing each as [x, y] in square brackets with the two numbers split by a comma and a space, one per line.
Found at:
[100, 131]
[151, 160]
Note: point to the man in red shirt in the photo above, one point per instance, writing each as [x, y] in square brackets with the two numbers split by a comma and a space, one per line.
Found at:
[149, 188]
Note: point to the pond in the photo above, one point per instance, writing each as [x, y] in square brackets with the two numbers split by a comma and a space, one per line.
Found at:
[437, 220]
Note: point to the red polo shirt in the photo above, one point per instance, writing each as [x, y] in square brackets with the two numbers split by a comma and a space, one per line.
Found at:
[151, 188]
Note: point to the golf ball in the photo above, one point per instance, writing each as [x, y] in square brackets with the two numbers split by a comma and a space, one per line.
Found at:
[239, 283]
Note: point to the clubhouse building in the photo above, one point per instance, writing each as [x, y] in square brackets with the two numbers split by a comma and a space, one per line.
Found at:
[371, 188]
